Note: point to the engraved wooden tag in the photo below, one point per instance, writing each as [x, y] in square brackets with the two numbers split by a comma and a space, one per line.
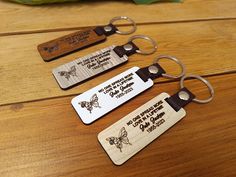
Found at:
[86, 67]
[98, 101]
[133, 132]
[69, 43]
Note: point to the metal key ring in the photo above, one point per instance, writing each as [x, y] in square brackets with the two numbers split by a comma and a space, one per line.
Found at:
[209, 86]
[154, 44]
[134, 27]
[176, 61]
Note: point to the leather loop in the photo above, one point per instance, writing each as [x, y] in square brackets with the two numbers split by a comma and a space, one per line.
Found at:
[178, 101]
[121, 51]
[145, 74]
[100, 30]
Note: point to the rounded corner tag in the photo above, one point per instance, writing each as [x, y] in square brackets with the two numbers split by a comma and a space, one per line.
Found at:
[132, 133]
[98, 101]
[83, 68]
[69, 43]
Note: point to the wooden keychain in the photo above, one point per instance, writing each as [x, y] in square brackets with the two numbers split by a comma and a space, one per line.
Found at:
[83, 68]
[81, 39]
[98, 101]
[132, 133]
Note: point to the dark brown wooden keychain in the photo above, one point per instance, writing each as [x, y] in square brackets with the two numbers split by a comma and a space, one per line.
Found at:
[78, 40]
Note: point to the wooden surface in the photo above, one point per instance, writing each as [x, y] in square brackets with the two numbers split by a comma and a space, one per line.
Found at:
[102, 60]
[40, 133]
[69, 43]
[18, 19]
[135, 131]
[206, 48]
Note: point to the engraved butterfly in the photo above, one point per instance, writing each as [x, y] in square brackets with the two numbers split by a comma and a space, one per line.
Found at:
[90, 104]
[51, 48]
[67, 74]
[120, 140]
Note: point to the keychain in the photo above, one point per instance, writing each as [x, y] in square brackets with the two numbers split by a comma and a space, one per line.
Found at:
[90, 36]
[83, 68]
[132, 133]
[98, 101]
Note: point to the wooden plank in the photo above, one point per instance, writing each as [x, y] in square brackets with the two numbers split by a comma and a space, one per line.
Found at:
[205, 48]
[46, 138]
[17, 18]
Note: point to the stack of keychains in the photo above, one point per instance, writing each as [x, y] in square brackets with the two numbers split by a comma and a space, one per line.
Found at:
[133, 132]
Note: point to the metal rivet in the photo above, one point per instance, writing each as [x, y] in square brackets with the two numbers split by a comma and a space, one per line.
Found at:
[153, 69]
[107, 28]
[183, 95]
[128, 47]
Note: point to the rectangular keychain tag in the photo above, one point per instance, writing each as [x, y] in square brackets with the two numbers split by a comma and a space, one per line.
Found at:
[133, 132]
[98, 101]
[83, 68]
[69, 43]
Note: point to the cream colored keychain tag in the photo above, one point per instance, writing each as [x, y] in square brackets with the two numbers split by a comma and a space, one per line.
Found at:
[133, 132]
[83, 68]
[98, 101]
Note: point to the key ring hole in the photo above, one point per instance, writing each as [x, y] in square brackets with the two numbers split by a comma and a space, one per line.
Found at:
[119, 18]
[148, 39]
[205, 82]
[175, 60]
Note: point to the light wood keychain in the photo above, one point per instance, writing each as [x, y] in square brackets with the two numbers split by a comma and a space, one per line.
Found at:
[81, 69]
[84, 38]
[98, 101]
[132, 133]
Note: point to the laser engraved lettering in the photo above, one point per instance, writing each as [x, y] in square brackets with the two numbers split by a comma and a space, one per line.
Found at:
[120, 87]
[96, 61]
[149, 119]
[77, 38]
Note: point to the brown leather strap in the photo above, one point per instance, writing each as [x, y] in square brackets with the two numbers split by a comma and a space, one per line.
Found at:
[177, 103]
[101, 31]
[144, 73]
[120, 50]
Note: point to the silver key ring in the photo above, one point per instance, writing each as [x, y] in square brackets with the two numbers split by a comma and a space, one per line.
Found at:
[134, 27]
[153, 43]
[176, 61]
[209, 86]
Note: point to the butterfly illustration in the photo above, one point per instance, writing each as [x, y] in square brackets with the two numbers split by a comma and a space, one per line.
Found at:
[67, 74]
[90, 104]
[120, 140]
[51, 48]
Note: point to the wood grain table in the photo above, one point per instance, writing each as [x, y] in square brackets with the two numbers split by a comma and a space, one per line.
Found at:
[42, 136]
